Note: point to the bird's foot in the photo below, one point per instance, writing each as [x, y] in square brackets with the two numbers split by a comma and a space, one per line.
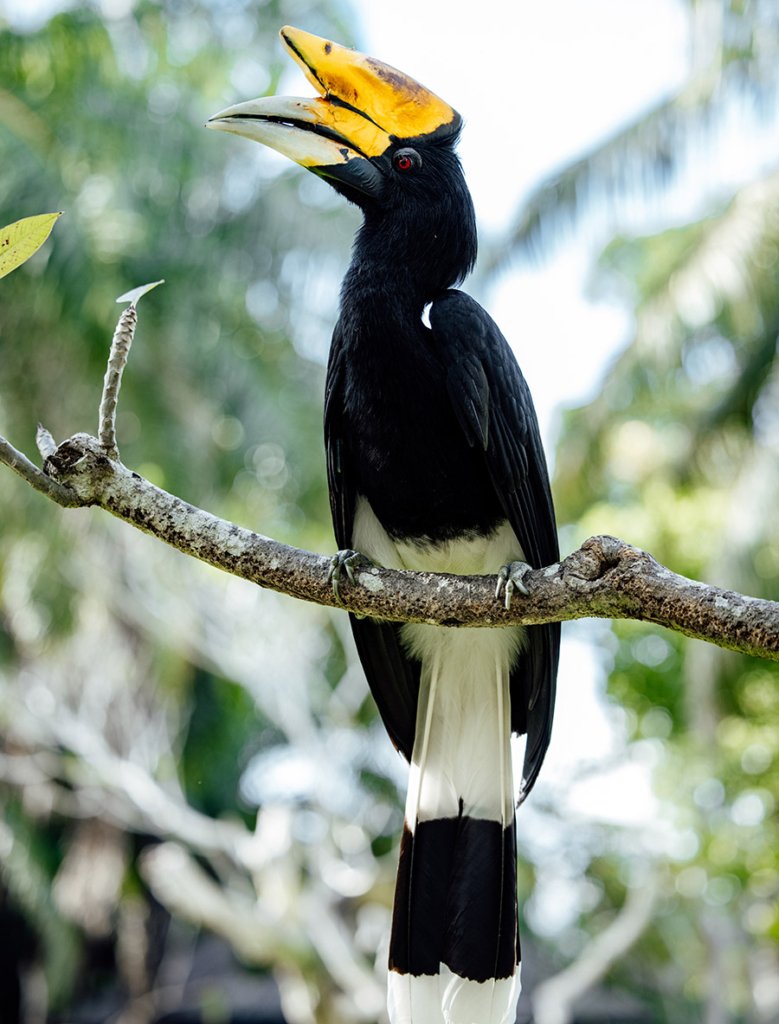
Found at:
[511, 578]
[343, 563]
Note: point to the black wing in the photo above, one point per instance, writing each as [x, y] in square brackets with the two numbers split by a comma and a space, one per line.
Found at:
[493, 406]
[392, 676]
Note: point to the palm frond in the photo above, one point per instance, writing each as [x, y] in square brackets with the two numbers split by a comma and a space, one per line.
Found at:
[705, 338]
[735, 76]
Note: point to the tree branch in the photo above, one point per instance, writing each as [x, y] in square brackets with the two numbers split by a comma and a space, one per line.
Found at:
[117, 360]
[28, 471]
[554, 999]
[605, 578]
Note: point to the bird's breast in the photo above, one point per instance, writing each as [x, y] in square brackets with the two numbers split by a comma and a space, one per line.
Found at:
[407, 452]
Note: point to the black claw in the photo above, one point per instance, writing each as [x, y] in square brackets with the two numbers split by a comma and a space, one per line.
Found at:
[511, 577]
[342, 562]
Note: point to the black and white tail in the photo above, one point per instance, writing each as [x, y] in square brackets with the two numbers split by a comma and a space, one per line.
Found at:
[454, 947]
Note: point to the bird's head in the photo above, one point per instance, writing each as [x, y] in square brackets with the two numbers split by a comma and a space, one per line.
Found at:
[367, 133]
[376, 135]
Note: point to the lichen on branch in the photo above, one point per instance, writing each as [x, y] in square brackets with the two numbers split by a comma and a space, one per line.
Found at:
[604, 578]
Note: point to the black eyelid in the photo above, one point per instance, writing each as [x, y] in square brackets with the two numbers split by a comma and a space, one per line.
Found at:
[407, 153]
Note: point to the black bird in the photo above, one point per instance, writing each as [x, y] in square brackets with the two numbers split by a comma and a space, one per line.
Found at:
[434, 462]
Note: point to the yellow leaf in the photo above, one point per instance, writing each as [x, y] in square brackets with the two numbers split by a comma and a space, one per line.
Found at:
[18, 241]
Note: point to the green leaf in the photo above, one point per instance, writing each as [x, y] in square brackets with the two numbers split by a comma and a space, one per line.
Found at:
[18, 241]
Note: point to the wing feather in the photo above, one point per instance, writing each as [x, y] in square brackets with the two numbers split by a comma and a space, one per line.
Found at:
[393, 677]
[494, 406]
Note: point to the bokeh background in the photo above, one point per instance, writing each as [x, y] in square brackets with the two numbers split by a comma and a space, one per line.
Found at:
[199, 808]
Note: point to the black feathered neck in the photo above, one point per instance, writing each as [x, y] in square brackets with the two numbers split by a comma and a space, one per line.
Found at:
[419, 239]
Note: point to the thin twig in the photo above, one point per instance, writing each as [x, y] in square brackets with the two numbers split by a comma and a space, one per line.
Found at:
[117, 360]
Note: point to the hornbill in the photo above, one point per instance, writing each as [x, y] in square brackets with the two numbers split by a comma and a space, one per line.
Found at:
[434, 462]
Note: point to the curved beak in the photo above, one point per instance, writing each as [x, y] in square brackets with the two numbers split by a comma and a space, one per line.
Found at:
[363, 108]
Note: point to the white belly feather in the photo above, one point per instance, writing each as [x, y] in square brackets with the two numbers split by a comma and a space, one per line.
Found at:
[463, 730]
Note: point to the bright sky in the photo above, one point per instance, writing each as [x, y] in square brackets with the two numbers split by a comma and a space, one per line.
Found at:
[537, 82]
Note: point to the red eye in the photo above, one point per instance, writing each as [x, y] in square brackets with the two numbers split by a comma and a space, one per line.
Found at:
[406, 160]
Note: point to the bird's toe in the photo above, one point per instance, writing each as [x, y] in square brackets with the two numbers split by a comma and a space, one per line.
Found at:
[342, 564]
[511, 578]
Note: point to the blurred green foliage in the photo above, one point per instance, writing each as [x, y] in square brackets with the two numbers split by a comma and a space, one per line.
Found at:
[179, 747]
[104, 119]
[119, 710]
[679, 454]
